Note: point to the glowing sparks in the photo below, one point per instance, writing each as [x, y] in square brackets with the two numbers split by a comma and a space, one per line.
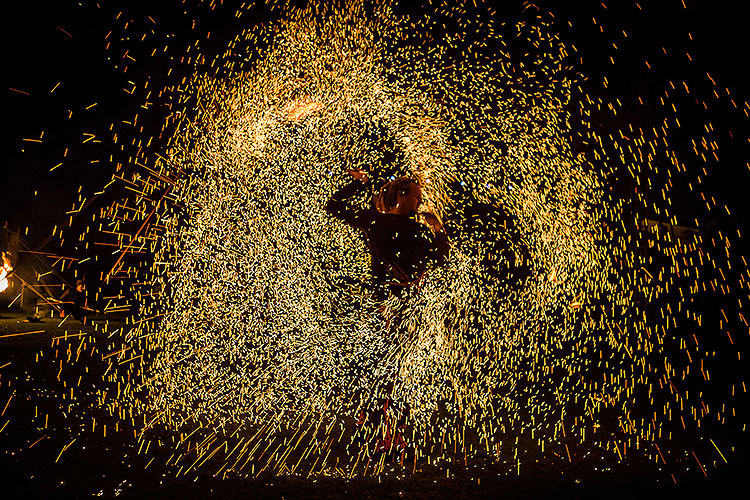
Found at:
[555, 318]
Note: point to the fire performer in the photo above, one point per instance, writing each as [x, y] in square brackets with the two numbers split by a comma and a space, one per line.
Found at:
[74, 302]
[401, 250]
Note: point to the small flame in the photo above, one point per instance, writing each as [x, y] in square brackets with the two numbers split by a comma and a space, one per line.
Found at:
[301, 108]
[5, 269]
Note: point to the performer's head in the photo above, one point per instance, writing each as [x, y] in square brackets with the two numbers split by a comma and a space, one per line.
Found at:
[401, 197]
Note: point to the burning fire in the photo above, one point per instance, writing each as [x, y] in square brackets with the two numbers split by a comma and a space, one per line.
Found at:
[5, 269]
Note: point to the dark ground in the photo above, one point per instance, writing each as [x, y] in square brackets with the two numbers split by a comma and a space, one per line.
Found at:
[39, 462]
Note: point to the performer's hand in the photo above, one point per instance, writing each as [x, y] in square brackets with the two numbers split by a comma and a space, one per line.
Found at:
[359, 175]
[432, 221]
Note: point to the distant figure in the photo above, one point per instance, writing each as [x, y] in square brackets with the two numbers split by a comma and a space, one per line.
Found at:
[4, 237]
[401, 250]
[74, 301]
[400, 247]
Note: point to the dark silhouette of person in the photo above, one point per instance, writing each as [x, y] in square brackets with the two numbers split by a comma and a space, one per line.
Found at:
[74, 301]
[401, 249]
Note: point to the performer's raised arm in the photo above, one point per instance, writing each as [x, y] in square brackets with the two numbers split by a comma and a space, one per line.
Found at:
[339, 205]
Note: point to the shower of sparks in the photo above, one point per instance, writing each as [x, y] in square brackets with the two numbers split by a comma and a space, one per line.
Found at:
[555, 319]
